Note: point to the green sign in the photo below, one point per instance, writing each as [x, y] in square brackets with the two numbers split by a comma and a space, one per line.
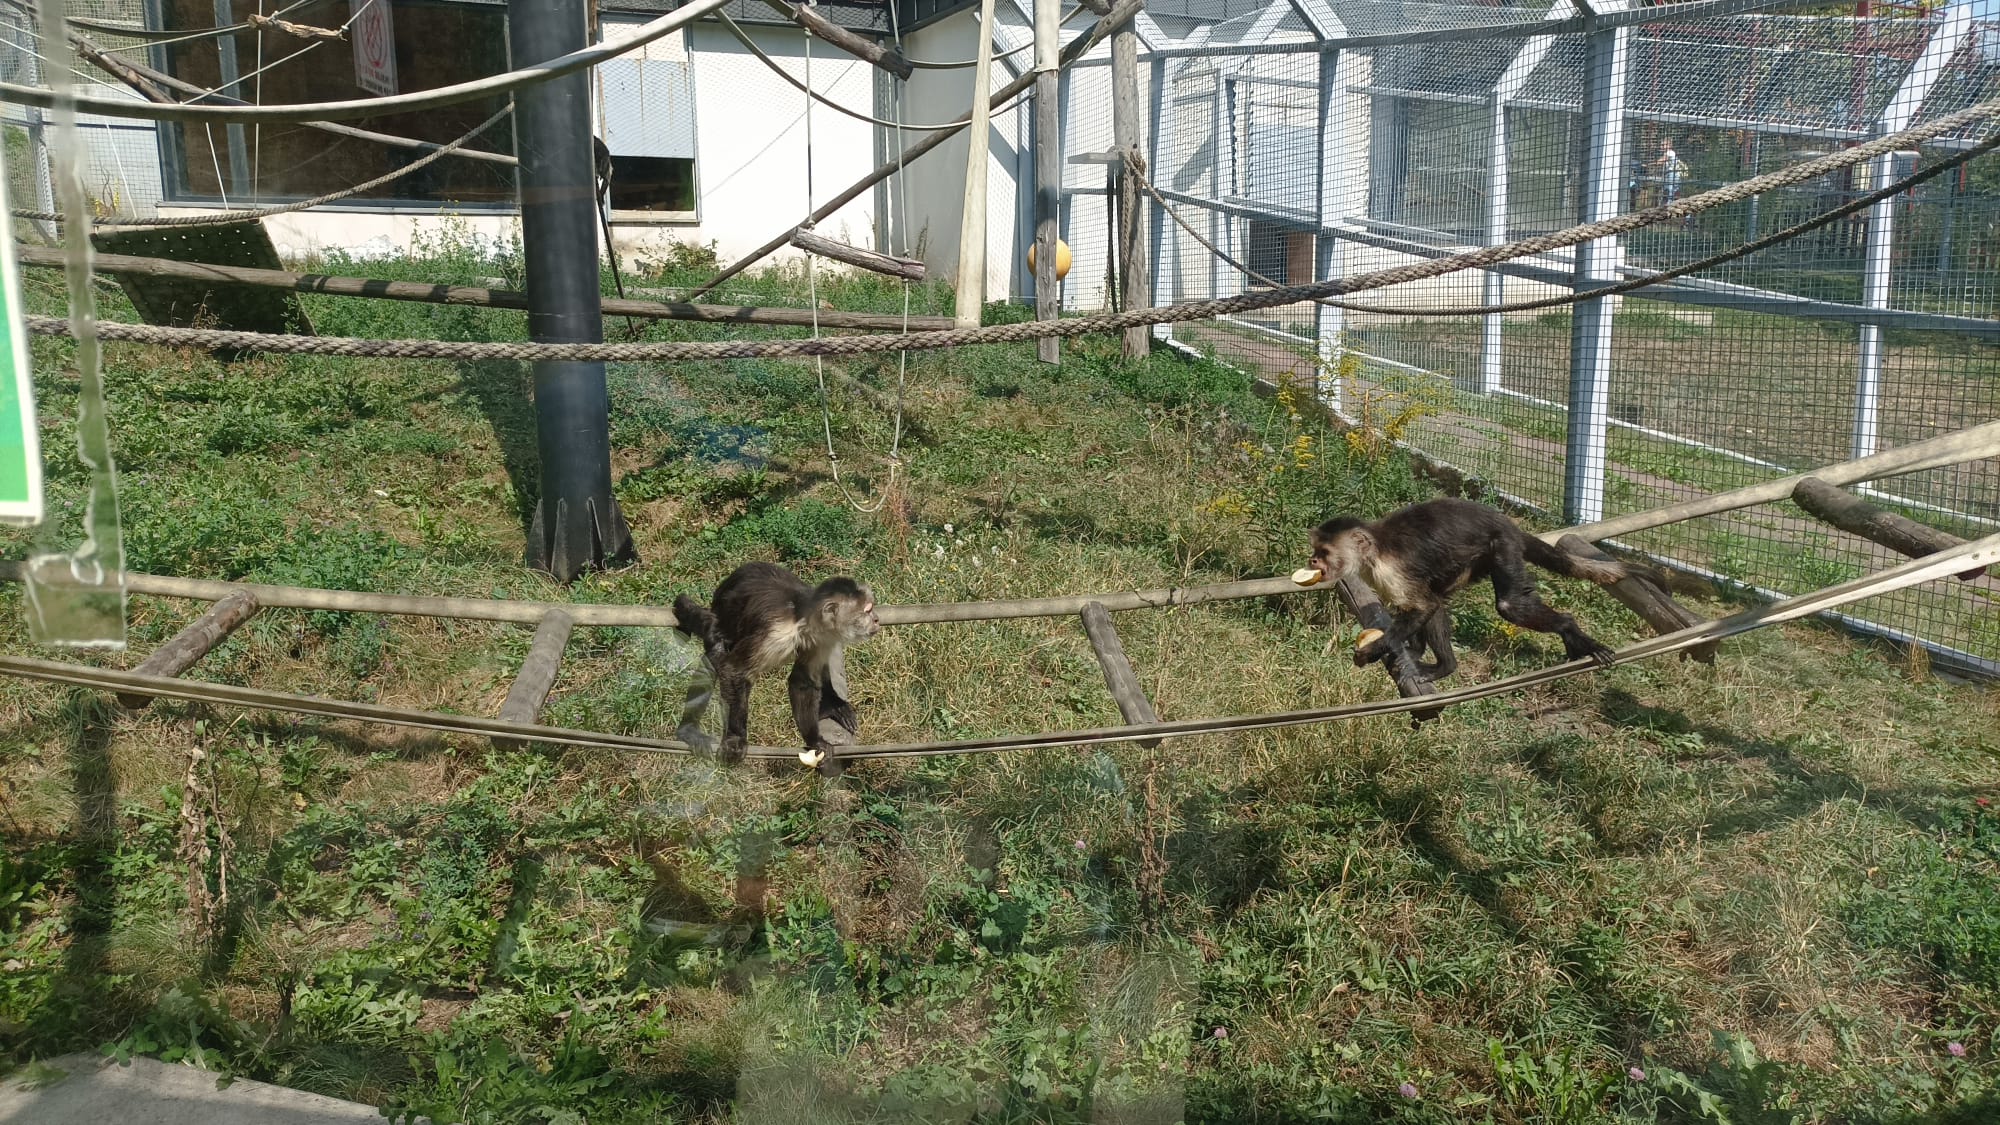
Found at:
[20, 452]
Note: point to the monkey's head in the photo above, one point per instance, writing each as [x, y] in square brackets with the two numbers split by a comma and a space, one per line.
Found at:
[1340, 546]
[846, 609]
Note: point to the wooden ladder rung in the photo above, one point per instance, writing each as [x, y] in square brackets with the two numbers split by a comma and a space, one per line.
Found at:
[1118, 673]
[1646, 599]
[189, 645]
[1369, 611]
[538, 674]
[1852, 514]
[908, 269]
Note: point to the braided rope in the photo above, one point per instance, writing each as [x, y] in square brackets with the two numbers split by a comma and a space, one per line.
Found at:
[1034, 330]
[227, 217]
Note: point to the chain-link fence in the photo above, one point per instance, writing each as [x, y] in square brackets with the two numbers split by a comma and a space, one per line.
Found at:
[1309, 140]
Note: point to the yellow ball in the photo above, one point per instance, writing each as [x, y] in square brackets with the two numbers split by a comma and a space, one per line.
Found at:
[1062, 259]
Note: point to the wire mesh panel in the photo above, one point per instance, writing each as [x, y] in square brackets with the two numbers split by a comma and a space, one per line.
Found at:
[1869, 332]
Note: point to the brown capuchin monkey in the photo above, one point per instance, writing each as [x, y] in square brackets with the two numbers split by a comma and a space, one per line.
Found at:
[762, 617]
[1418, 557]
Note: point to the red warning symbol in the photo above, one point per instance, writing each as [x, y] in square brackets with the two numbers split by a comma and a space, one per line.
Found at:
[374, 48]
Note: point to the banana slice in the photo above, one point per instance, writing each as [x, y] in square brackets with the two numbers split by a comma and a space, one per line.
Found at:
[1366, 638]
[812, 758]
[1308, 576]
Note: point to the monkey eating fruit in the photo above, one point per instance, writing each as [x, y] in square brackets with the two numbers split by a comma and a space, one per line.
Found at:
[1418, 557]
[762, 617]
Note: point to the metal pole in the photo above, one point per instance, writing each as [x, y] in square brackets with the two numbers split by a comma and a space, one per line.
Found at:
[1598, 264]
[1048, 172]
[1158, 231]
[1327, 249]
[577, 523]
[225, 50]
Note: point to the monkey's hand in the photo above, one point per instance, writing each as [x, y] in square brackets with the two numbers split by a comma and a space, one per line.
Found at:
[1374, 647]
[1602, 656]
[697, 740]
[734, 748]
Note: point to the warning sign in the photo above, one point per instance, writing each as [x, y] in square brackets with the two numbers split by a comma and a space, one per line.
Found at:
[20, 451]
[374, 48]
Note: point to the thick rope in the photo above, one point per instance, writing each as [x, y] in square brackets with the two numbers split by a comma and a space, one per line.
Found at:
[1744, 250]
[226, 218]
[1035, 330]
[1917, 571]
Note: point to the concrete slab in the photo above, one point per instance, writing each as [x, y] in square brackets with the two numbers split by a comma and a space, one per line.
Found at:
[96, 1090]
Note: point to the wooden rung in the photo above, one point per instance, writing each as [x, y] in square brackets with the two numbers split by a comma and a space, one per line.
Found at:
[1118, 673]
[1646, 599]
[1852, 514]
[537, 675]
[1369, 611]
[189, 645]
[908, 269]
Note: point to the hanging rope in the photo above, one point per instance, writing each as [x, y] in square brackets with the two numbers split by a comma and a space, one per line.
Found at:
[812, 302]
[1034, 330]
[287, 208]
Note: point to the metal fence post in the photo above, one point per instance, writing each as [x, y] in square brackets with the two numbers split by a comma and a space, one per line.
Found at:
[1492, 360]
[1953, 27]
[1219, 226]
[1328, 255]
[1157, 74]
[1598, 264]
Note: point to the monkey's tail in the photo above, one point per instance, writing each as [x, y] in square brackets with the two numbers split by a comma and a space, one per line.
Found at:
[1556, 559]
[694, 620]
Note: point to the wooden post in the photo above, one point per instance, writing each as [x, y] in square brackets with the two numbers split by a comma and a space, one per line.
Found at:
[971, 279]
[1119, 677]
[1133, 268]
[538, 674]
[1368, 609]
[1642, 597]
[194, 642]
[1852, 514]
[909, 269]
[1048, 173]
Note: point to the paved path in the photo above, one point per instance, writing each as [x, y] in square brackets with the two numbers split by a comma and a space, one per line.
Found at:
[98, 1091]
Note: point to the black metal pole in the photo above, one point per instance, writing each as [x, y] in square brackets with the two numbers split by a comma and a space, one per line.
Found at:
[577, 522]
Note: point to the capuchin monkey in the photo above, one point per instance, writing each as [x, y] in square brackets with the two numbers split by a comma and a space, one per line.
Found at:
[762, 617]
[1418, 557]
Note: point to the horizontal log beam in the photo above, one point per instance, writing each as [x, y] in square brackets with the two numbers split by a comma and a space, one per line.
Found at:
[909, 269]
[43, 257]
[1852, 514]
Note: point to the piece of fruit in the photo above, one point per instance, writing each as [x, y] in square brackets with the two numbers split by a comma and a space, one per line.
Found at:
[1308, 575]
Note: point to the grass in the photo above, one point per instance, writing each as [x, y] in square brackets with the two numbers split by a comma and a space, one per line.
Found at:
[1765, 886]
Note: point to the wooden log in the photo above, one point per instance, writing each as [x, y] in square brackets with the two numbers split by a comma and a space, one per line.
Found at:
[537, 675]
[1133, 266]
[861, 47]
[969, 295]
[49, 258]
[1076, 49]
[1368, 609]
[909, 269]
[1852, 514]
[1048, 201]
[194, 642]
[1118, 673]
[1646, 599]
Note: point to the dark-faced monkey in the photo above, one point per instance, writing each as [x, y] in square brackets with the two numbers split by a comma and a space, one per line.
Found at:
[763, 617]
[1417, 558]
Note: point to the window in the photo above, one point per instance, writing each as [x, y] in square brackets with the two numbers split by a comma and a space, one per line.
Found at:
[645, 114]
[437, 43]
